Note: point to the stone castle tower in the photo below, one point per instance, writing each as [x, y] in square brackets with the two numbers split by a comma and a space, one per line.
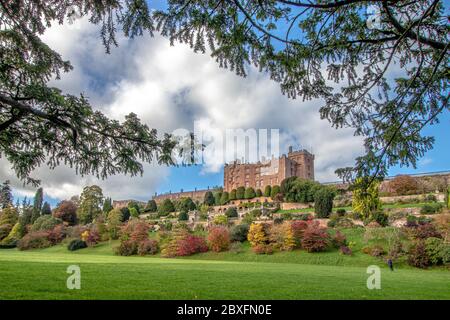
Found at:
[258, 175]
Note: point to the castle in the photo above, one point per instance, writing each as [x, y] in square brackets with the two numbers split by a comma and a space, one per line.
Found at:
[258, 175]
[269, 173]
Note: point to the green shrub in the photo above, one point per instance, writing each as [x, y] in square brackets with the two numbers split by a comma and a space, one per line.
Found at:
[231, 212]
[209, 198]
[274, 192]
[76, 245]
[240, 193]
[267, 191]
[258, 193]
[232, 195]
[380, 217]
[134, 212]
[183, 216]
[430, 198]
[46, 222]
[431, 208]
[434, 248]
[221, 219]
[239, 232]
[323, 202]
[151, 206]
[224, 198]
[341, 212]
[249, 193]
[166, 207]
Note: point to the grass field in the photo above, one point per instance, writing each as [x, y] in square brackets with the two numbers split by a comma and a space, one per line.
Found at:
[41, 274]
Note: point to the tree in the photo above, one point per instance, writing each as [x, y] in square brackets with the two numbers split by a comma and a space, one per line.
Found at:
[135, 205]
[114, 219]
[133, 212]
[365, 197]
[209, 198]
[61, 128]
[404, 184]
[37, 204]
[304, 45]
[259, 193]
[224, 198]
[107, 205]
[232, 195]
[275, 191]
[125, 213]
[186, 204]
[323, 202]
[151, 206]
[217, 196]
[66, 210]
[9, 216]
[299, 190]
[166, 207]
[91, 201]
[267, 191]
[46, 208]
[240, 193]
[6, 198]
[249, 193]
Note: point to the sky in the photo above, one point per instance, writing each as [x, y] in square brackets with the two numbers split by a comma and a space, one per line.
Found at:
[170, 87]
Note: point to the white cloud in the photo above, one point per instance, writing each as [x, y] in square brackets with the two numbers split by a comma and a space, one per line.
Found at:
[171, 87]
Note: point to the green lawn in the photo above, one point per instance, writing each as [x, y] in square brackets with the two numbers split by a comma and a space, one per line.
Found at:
[41, 274]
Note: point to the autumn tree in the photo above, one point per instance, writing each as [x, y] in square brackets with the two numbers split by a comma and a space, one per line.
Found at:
[404, 184]
[67, 212]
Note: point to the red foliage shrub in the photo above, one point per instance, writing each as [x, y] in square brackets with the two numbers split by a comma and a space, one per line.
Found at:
[140, 231]
[298, 228]
[93, 238]
[148, 246]
[34, 240]
[315, 238]
[219, 239]
[339, 239]
[67, 212]
[57, 234]
[262, 249]
[425, 231]
[126, 248]
[418, 256]
[191, 244]
[346, 250]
